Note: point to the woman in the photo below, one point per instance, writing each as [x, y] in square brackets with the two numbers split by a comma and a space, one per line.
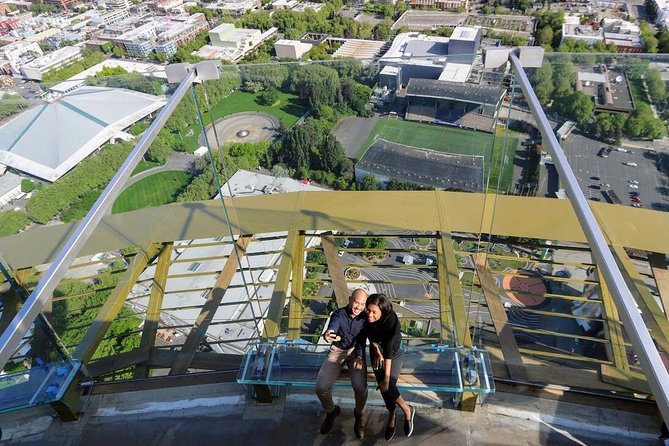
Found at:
[384, 336]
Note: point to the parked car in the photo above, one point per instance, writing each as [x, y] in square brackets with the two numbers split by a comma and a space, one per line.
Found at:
[631, 164]
[636, 205]
[633, 181]
[633, 186]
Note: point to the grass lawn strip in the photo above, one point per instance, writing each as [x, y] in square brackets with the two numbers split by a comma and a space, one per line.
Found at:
[155, 190]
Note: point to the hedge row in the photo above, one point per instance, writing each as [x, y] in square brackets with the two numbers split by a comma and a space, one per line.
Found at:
[12, 222]
[92, 173]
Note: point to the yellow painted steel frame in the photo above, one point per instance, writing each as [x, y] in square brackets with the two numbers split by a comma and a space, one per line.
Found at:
[208, 310]
[295, 310]
[153, 310]
[113, 304]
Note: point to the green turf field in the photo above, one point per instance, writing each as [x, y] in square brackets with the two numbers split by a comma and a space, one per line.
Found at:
[287, 109]
[451, 140]
[155, 190]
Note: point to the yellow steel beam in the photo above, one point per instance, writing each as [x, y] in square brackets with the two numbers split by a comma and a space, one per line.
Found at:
[152, 317]
[12, 301]
[295, 310]
[335, 269]
[652, 314]
[613, 328]
[448, 330]
[281, 285]
[343, 211]
[566, 356]
[113, 304]
[625, 378]
[212, 301]
[507, 340]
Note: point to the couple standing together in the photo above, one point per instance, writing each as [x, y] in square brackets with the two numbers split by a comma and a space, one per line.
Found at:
[364, 318]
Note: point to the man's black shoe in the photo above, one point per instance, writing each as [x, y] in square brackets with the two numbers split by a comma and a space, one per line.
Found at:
[390, 432]
[408, 423]
[329, 420]
[359, 426]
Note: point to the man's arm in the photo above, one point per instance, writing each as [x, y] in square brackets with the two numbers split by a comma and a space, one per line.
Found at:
[333, 327]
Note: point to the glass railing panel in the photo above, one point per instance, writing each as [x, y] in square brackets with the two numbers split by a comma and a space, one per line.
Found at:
[37, 385]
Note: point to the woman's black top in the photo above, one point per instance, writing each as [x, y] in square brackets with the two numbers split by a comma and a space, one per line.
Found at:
[386, 333]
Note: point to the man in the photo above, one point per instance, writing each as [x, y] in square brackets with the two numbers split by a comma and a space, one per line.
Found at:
[346, 334]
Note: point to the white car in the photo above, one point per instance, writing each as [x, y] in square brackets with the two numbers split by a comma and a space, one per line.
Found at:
[630, 164]
[633, 181]
[636, 205]
[633, 186]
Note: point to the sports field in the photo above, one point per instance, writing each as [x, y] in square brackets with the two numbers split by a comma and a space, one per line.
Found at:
[451, 140]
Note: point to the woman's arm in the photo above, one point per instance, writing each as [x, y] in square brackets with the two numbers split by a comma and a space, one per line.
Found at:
[387, 366]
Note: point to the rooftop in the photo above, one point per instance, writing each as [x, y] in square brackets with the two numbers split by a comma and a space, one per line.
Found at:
[440, 89]
[421, 166]
[48, 140]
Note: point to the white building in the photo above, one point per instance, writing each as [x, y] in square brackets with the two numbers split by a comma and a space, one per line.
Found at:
[662, 12]
[37, 67]
[235, 7]
[10, 188]
[316, 7]
[284, 4]
[291, 49]
[227, 36]
[625, 35]
[162, 35]
[415, 55]
[572, 29]
[14, 51]
[232, 44]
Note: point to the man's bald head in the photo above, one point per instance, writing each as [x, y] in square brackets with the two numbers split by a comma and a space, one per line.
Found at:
[358, 294]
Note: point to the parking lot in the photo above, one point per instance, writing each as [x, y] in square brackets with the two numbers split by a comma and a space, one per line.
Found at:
[653, 187]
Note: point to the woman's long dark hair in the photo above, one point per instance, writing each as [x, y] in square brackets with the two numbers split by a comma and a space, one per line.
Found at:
[381, 301]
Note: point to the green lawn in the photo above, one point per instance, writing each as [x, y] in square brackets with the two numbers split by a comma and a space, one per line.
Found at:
[636, 87]
[287, 109]
[144, 165]
[451, 140]
[155, 190]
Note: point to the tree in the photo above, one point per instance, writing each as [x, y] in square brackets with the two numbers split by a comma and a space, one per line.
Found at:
[316, 84]
[118, 52]
[545, 36]
[577, 106]
[332, 154]
[657, 89]
[356, 96]
[369, 182]
[279, 171]
[111, 71]
[12, 222]
[383, 30]
[268, 97]
[650, 42]
[543, 82]
[159, 150]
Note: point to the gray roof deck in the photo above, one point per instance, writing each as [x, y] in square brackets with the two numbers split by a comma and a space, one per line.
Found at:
[476, 94]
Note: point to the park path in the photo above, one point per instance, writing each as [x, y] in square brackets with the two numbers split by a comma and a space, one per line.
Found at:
[176, 161]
